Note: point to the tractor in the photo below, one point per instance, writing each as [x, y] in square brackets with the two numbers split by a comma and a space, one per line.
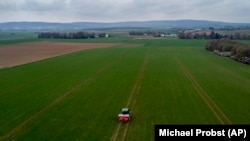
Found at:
[124, 115]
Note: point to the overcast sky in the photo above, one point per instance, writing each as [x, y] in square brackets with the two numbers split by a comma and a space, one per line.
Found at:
[123, 10]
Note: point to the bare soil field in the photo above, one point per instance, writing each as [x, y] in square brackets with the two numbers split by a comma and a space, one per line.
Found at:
[18, 54]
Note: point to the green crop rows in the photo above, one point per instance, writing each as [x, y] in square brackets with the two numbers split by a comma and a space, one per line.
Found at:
[78, 96]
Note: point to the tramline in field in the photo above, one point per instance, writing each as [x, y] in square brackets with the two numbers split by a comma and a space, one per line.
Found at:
[162, 81]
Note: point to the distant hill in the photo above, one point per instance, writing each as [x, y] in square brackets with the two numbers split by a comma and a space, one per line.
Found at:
[134, 24]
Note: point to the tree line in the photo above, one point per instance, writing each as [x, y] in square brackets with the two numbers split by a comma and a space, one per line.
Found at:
[212, 35]
[147, 33]
[235, 50]
[70, 35]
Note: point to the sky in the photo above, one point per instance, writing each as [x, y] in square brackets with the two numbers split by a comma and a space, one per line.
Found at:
[235, 11]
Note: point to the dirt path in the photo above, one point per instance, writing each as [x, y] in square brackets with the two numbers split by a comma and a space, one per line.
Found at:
[135, 91]
[18, 54]
[14, 132]
[219, 114]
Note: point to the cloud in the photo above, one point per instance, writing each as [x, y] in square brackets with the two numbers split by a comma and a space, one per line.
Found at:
[124, 10]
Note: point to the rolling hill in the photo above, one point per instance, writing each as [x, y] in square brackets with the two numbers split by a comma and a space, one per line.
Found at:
[129, 24]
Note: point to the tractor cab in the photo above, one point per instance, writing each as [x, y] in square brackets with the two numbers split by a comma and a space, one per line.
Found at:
[124, 115]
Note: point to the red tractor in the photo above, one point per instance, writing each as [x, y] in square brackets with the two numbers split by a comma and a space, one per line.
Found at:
[125, 115]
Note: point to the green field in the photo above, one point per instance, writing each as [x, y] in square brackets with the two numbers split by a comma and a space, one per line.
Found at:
[78, 96]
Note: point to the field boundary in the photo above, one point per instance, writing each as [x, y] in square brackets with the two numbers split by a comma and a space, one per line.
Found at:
[24, 53]
[12, 133]
[219, 114]
[135, 91]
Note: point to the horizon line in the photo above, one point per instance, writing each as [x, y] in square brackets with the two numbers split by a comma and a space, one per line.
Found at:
[123, 21]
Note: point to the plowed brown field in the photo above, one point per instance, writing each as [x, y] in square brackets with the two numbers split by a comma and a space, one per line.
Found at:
[18, 54]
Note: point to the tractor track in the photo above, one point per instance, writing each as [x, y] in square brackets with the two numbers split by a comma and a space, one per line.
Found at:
[135, 91]
[26, 85]
[230, 72]
[219, 114]
[15, 131]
